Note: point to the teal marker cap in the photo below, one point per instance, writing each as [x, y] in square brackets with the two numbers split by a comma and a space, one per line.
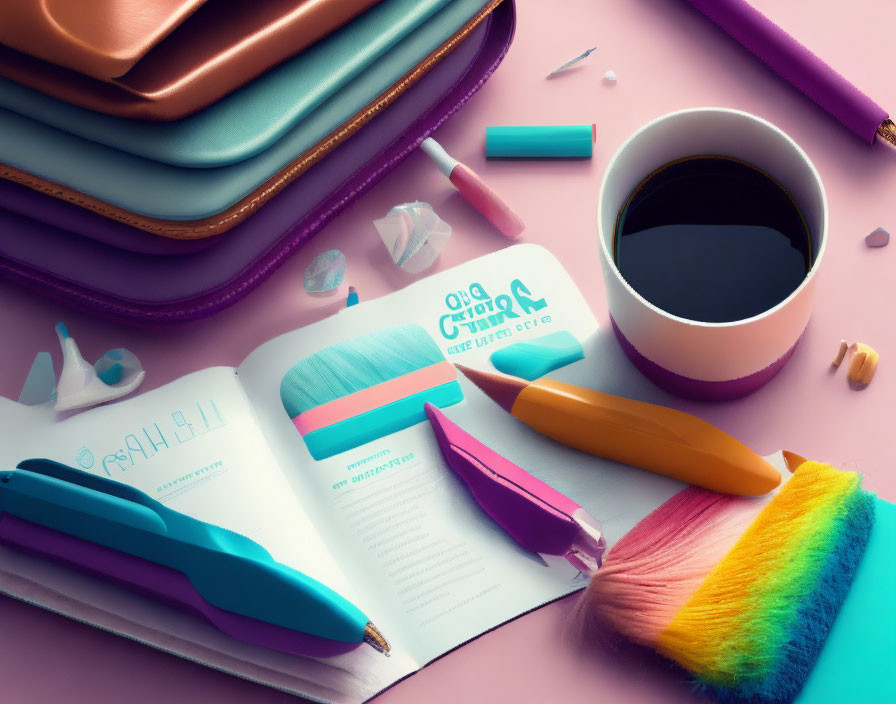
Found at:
[539, 141]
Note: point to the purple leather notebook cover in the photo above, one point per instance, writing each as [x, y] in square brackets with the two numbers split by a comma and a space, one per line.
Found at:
[104, 267]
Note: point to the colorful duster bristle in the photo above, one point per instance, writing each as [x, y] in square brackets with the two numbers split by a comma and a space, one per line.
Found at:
[741, 592]
[362, 389]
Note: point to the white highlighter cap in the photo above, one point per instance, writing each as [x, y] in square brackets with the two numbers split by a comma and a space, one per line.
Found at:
[437, 153]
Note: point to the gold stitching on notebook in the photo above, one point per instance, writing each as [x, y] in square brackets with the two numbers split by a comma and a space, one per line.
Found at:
[237, 213]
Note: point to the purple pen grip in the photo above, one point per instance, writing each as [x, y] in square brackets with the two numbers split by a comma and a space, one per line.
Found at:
[534, 524]
[159, 582]
[533, 513]
[796, 64]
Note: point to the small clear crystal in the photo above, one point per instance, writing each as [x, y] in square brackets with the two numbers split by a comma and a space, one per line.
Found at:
[325, 272]
[117, 365]
[40, 384]
[414, 235]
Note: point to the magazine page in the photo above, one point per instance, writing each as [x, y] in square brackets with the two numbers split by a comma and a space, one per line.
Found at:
[433, 569]
[195, 446]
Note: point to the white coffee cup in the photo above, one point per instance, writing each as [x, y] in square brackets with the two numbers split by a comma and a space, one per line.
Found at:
[694, 359]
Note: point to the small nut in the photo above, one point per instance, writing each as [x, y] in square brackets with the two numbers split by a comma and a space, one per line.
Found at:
[863, 363]
[841, 353]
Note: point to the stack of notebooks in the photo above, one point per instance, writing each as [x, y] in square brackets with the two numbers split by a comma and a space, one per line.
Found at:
[160, 159]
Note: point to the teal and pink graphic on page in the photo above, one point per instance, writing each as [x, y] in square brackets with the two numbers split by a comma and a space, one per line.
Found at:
[363, 389]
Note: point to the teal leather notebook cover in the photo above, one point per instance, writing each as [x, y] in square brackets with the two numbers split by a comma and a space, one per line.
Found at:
[856, 664]
[168, 192]
[252, 118]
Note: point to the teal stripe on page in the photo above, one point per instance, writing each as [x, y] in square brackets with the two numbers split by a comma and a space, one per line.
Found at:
[398, 415]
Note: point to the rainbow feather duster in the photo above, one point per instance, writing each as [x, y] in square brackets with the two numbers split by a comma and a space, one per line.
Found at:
[741, 592]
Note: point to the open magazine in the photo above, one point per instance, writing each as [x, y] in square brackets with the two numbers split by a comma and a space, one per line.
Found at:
[386, 524]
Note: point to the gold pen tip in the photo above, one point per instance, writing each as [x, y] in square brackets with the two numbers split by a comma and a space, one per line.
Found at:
[886, 133]
[374, 638]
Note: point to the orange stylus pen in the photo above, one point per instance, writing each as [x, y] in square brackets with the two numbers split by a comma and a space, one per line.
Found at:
[662, 440]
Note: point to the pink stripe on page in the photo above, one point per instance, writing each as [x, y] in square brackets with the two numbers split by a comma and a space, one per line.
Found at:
[374, 397]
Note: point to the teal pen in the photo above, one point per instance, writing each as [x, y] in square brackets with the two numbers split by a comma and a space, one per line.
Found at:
[352, 299]
[113, 530]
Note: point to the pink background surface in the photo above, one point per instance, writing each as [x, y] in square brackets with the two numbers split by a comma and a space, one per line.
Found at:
[667, 57]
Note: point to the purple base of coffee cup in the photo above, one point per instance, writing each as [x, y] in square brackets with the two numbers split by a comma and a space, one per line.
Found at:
[697, 389]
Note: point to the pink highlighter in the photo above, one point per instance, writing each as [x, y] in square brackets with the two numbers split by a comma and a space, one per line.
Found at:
[474, 190]
[536, 515]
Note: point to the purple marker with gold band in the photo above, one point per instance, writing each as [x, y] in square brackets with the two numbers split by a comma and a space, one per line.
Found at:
[801, 68]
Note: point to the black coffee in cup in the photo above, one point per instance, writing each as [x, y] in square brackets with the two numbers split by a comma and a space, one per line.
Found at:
[712, 239]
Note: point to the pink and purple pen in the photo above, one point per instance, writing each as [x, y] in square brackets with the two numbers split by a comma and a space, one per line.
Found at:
[533, 513]
[474, 190]
[801, 68]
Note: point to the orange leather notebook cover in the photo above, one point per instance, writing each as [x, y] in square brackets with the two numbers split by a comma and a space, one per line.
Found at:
[159, 60]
